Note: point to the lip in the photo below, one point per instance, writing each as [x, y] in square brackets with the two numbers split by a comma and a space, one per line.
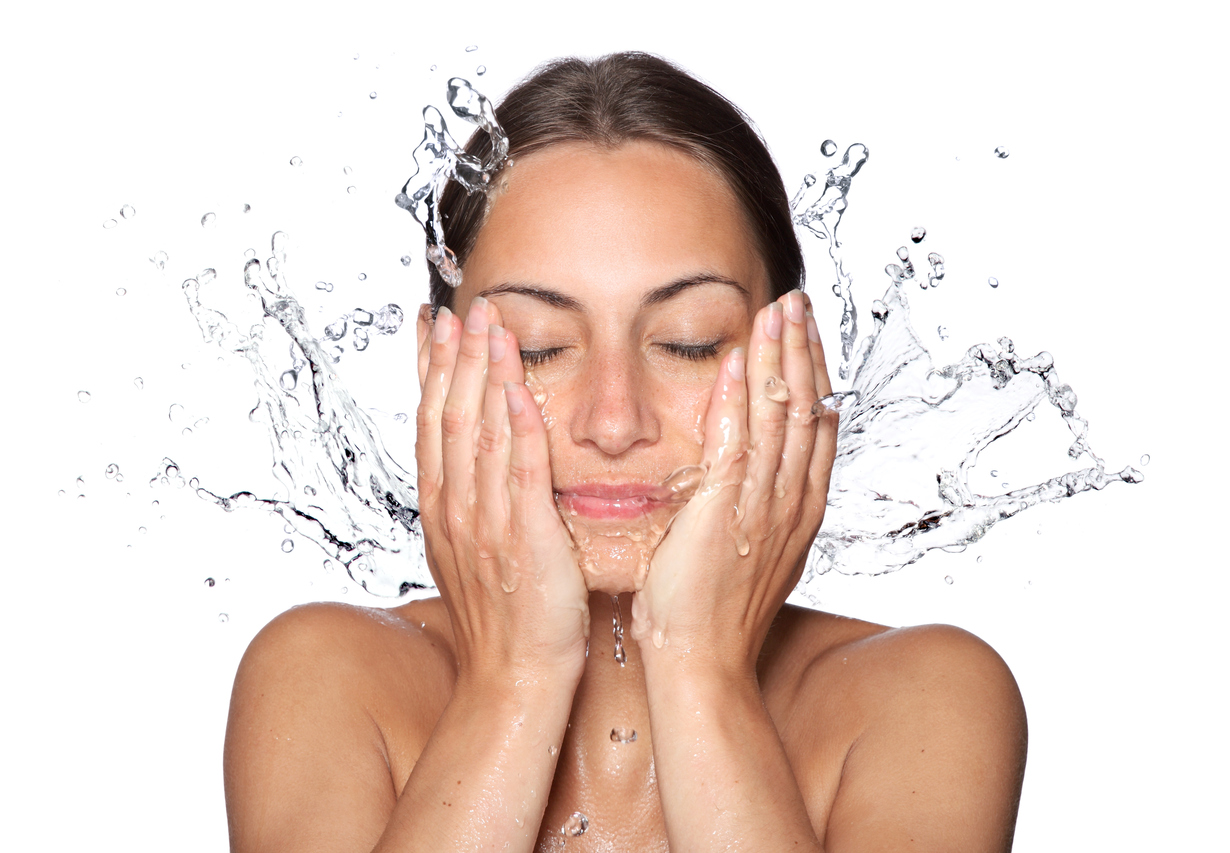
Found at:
[611, 501]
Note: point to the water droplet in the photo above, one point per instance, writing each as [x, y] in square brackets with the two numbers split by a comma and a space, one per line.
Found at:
[979, 560]
[433, 68]
[623, 734]
[918, 233]
[351, 190]
[159, 260]
[406, 260]
[470, 48]
[208, 220]
[1001, 152]
[110, 223]
[249, 253]
[401, 417]
[119, 291]
[288, 545]
[775, 389]
[326, 286]
[222, 617]
[372, 95]
[742, 545]
[83, 396]
[993, 281]
[336, 330]
[828, 148]
[210, 582]
[362, 317]
[942, 331]
[247, 208]
[296, 161]
[994, 472]
[112, 471]
[361, 339]
[835, 402]
[1030, 416]
[128, 211]
[552, 749]
[207, 275]
[362, 276]
[1144, 460]
[575, 826]
[481, 70]
[948, 579]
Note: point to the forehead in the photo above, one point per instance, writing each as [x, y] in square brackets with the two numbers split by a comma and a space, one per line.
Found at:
[608, 221]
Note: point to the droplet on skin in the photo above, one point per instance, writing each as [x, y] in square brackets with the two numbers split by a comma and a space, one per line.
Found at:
[288, 545]
[623, 734]
[918, 233]
[1001, 152]
[828, 148]
[552, 749]
[741, 544]
[575, 826]
[775, 389]
[510, 584]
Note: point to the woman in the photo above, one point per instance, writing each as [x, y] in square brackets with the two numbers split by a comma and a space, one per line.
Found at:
[619, 419]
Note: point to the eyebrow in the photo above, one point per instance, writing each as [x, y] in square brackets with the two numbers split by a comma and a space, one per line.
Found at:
[557, 299]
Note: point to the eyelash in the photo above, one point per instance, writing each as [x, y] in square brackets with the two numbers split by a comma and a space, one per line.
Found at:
[692, 352]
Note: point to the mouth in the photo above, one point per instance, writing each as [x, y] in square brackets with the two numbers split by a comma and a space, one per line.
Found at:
[611, 501]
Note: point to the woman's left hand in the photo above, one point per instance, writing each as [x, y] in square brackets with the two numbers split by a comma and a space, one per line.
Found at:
[739, 546]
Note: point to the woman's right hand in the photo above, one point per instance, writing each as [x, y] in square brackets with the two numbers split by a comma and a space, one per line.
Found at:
[496, 545]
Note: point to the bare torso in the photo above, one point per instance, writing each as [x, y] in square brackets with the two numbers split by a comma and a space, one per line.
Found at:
[372, 684]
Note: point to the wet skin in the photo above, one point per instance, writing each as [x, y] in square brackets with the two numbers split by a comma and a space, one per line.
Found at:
[624, 284]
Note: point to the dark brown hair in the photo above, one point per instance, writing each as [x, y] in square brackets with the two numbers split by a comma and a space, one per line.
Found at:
[620, 98]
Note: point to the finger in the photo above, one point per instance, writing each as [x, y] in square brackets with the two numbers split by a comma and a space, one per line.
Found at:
[494, 438]
[799, 373]
[442, 356]
[766, 393]
[824, 450]
[529, 464]
[422, 327]
[460, 417]
[726, 435]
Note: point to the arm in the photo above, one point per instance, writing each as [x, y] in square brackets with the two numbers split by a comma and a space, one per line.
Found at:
[307, 766]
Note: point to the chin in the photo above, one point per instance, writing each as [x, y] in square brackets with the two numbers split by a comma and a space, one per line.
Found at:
[615, 562]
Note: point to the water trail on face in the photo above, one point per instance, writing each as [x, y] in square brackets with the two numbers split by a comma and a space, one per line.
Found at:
[911, 432]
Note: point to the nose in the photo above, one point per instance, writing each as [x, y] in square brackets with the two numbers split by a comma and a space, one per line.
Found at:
[615, 409]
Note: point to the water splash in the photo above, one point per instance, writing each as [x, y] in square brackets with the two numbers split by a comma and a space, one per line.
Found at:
[439, 159]
[909, 433]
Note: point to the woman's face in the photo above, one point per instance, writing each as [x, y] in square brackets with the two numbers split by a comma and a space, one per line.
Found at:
[625, 274]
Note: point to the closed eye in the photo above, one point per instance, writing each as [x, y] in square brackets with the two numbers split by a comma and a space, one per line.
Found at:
[534, 357]
[694, 352]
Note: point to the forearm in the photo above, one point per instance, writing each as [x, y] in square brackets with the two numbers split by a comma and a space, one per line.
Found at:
[724, 778]
[482, 781]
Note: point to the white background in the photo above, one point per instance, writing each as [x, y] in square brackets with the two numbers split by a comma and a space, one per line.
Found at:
[1105, 226]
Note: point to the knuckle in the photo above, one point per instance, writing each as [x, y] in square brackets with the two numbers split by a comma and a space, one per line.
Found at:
[427, 418]
[454, 421]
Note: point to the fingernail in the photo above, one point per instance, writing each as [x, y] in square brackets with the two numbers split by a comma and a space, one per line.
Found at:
[476, 320]
[773, 321]
[813, 333]
[497, 343]
[444, 326]
[513, 399]
[736, 364]
[794, 306]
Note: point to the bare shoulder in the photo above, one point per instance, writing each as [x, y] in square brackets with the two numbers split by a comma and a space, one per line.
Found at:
[330, 708]
[926, 733]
